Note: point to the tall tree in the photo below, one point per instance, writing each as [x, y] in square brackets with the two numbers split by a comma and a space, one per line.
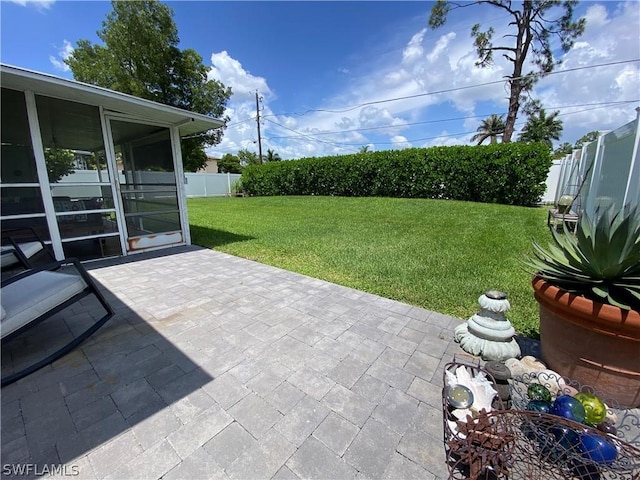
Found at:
[587, 138]
[140, 56]
[229, 163]
[537, 25]
[272, 156]
[489, 128]
[563, 150]
[59, 163]
[542, 128]
[248, 158]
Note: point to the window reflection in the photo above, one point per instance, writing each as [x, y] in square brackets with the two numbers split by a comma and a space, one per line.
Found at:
[93, 248]
[85, 224]
[18, 160]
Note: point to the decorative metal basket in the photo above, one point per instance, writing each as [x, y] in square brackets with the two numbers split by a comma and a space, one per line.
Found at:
[626, 421]
[522, 444]
[482, 446]
[573, 449]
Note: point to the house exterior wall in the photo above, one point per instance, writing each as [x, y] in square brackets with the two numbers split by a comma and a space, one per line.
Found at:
[210, 167]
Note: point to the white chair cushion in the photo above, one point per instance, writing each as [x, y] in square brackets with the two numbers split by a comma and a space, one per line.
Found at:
[28, 298]
[8, 258]
[29, 249]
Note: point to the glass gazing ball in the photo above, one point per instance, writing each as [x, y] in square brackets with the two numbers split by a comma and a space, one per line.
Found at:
[597, 448]
[539, 406]
[568, 407]
[535, 391]
[566, 437]
[595, 410]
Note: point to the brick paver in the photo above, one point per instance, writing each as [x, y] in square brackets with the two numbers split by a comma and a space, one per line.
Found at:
[223, 368]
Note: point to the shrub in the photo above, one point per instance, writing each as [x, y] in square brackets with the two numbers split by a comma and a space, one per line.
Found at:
[512, 174]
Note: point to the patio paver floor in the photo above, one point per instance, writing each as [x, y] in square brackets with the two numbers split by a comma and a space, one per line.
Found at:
[220, 367]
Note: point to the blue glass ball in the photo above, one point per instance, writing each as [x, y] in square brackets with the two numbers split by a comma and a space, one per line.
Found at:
[557, 442]
[539, 406]
[597, 448]
[568, 407]
[566, 437]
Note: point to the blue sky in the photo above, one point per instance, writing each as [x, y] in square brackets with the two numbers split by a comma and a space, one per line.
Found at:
[322, 67]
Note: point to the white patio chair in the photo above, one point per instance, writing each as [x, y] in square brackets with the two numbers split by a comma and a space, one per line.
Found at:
[19, 247]
[30, 297]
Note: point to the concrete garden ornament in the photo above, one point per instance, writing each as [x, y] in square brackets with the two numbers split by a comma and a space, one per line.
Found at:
[489, 333]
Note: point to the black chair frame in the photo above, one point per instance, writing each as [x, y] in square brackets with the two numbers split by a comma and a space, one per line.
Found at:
[90, 289]
[14, 236]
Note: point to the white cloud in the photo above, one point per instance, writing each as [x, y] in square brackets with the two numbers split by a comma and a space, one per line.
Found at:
[63, 53]
[597, 17]
[39, 4]
[441, 46]
[445, 139]
[230, 72]
[414, 50]
[400, 142]
[241, 108]
[608, 83]
[444, 61]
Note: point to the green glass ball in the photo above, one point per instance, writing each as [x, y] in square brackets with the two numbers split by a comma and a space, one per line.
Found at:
[535, 391]
[594, 408]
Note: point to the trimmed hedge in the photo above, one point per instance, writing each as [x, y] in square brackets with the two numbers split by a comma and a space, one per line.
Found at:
[511, 174]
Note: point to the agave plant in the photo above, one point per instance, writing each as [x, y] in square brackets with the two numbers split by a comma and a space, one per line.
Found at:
[601, 262]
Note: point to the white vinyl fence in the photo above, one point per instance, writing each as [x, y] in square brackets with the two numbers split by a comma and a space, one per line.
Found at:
[210, 184]
[553, 177]
[196, 184]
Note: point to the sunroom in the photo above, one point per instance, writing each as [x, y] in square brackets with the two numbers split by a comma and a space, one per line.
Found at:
[96, 173]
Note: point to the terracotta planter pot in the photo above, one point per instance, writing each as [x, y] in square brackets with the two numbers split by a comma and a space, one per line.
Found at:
[592, 343]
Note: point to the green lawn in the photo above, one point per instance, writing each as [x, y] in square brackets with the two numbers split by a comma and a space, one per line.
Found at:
[437, 254]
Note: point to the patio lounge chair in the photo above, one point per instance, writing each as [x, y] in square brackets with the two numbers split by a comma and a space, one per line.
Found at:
[30, 297]
[19, 247]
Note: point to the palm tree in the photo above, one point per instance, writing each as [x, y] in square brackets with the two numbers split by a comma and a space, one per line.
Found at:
[489, 128]
[272, 156]
[540, 128]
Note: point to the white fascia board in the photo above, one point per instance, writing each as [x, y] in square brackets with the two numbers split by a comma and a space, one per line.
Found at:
[188, 123]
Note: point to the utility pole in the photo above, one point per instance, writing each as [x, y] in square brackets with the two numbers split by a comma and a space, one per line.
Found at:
[258, 121]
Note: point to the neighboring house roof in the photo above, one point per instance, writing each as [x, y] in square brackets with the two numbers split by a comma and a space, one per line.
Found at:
[188, 123]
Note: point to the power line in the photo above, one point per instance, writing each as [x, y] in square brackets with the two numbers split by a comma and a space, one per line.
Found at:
[350, 108]
[437, 136]
[442, 120]
[333, 132]
[306, 136]
[240, 122]
[448, 90]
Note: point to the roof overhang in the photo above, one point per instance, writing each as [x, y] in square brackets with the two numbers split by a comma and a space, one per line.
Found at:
[188, 123]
